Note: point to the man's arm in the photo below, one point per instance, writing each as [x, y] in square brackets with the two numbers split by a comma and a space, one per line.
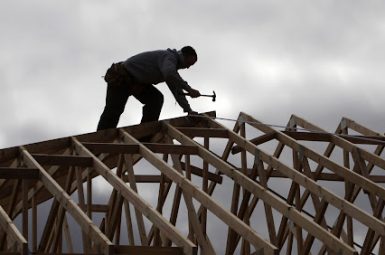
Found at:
[178, 94]
[176, 84]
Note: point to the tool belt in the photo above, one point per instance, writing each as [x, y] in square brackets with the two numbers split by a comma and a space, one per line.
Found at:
[117, 75]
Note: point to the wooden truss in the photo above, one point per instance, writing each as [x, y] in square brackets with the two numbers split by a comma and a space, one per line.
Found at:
[190, 185]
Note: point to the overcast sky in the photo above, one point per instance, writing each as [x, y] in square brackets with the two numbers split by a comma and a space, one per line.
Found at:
[321, 60]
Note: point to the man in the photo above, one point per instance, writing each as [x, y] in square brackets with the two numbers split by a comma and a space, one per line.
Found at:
[137, 76]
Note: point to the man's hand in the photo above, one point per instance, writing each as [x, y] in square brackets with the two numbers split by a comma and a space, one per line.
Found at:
[194, 93]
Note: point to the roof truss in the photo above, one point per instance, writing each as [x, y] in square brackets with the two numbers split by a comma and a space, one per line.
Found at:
[196, 183]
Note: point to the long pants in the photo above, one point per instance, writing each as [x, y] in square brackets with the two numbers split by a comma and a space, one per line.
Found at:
[116, 100]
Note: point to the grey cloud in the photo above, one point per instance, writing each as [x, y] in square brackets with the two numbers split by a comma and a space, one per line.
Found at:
[321, 60]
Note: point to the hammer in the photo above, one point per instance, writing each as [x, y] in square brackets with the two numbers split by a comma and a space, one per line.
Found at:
[214, 96]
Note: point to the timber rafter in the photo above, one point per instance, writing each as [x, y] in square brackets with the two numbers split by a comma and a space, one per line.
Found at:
[197, 187]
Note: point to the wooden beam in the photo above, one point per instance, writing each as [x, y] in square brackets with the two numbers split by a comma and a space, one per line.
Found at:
[325, 176]
[346, 145]
[133, 148]
[140, 204]
[271, 199]
[244, 230]
[19, 173]
[199, 172]
[128, 160]
[99, 208]
[65, 200]
[204, 132]
[327, 137]
[341, 171]
[113, 148]
[62, 160]
[171, 148]
[347, 207]
[348, 123]
[316, 136]
[143, 250]
[12, 232]
[257, 141]
[144, 178]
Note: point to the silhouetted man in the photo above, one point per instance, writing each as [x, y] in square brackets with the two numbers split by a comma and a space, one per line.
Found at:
[137, 76]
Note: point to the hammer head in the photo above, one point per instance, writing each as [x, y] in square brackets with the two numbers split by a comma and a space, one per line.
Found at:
[214, 96]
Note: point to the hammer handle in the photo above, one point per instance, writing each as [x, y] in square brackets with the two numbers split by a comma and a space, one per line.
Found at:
[187, 94]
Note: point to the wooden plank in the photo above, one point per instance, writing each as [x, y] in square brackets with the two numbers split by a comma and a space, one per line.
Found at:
[67, 235]
[205, 186]
[268, 210]
[130, 230]
[113, 148]
[231, 234]
[145, 178]
[171, 148]
[133, 149]
[204, 132]
[147, 250]
[24, 194]
[140, 204]
[325, 176]
[11, 205]
[348, 123]
[193, 220]
[199, 229]
[81, 199]
[323, 161]
[19, 173]
[57, 237]
[98, 208]
[230, 219]
[346, 145]
[312, 186]
[62, 160]
[199, 172]
[327, 137]
[316, 136]
[373, 159]
[34, 223]
[257, 141]
[139, 216]
[286, 209]
[12, 232]
[65, 200]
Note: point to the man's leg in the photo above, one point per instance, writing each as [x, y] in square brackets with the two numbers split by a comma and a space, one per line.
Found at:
[152, 99]
[116, 100]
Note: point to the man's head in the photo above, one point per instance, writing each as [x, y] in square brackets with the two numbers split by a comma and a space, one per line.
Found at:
[189, 55]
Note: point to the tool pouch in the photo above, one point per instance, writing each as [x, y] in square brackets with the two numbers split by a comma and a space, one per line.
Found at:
[117, 75]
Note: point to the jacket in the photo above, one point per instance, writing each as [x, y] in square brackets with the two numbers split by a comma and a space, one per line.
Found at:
[158, 66]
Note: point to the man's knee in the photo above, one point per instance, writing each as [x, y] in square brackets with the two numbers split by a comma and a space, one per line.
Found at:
[159, 99]
[113, 110]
